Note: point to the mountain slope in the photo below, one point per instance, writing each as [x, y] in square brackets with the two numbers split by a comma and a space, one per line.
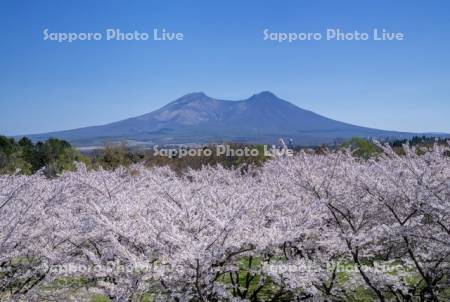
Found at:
[197, 118]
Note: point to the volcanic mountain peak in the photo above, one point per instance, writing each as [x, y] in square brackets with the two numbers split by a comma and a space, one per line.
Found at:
[198, 118]
[264, 95]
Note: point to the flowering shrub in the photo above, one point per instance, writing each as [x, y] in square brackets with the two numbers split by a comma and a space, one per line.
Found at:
[326, 226]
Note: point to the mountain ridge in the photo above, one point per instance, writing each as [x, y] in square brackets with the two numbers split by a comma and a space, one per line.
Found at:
[198, 118]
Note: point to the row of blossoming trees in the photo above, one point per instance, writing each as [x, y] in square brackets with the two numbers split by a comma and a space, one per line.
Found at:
[330, 227]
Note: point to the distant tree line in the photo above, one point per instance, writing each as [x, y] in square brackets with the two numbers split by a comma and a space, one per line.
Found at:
[364, 148]
[55, 156]
[113, 156]
[26, 157]
[421, 141]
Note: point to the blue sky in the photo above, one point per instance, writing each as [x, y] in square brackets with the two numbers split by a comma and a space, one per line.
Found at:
[395, 85]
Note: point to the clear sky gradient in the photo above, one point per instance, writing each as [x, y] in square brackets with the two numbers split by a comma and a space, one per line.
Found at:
[396, 85]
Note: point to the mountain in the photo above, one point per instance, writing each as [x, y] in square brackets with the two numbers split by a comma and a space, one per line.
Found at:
[198, 118]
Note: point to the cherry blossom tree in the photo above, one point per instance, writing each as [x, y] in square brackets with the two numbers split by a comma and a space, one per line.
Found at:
[329, 226]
